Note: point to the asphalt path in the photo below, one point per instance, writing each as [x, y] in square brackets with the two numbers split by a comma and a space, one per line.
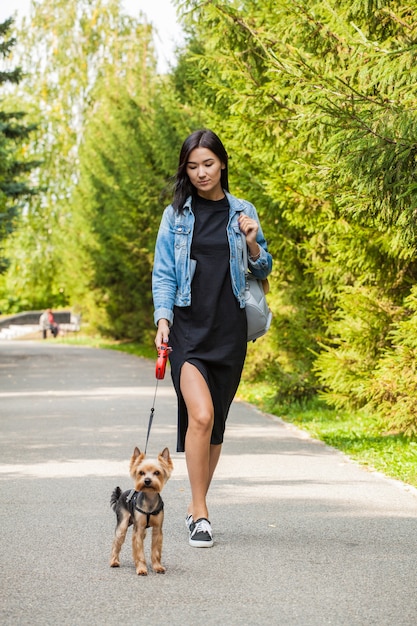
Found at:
[303, 536]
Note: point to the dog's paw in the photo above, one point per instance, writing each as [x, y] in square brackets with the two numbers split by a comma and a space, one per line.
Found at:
[114, 563]
[159, 569]
[141, 571]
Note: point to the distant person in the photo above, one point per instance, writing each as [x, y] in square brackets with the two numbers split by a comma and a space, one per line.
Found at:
[47, 322]
[52, 323]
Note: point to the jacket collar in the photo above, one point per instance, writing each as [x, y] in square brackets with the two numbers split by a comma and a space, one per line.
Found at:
[235, 203]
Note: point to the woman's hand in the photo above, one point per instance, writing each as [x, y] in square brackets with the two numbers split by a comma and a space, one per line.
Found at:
[249, 228]
[162, 333]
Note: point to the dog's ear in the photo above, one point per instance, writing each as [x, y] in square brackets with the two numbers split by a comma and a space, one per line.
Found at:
[164, 456]
[137, 458]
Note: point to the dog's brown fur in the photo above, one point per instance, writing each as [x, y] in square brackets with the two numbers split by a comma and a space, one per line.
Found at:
[149, 478]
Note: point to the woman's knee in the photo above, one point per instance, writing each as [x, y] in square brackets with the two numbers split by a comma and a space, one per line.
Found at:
[197, 397]
[201, 419]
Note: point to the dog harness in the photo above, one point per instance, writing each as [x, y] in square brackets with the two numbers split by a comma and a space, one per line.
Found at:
[133, 501]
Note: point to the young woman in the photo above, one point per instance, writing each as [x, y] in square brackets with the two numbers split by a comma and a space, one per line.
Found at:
[198, 287]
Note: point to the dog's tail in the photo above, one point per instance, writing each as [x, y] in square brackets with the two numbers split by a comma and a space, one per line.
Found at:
[114, 497]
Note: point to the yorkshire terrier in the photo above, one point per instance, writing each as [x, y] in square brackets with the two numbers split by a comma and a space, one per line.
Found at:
[143, 508]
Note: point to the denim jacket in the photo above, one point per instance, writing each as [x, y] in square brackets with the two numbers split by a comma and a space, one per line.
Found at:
[173, 268]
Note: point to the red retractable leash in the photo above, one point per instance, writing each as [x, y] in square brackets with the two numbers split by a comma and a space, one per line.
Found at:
[161, 363]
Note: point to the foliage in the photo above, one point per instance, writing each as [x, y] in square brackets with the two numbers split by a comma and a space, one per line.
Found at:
[67, 47]
[393, 392]
[359, 328]
[14, 133]
[118, 217]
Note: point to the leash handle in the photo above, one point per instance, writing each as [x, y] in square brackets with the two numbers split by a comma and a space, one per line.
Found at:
[161, 362]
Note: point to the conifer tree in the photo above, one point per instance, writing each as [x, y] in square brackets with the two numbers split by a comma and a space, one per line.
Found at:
[64, 49]
[14, 185]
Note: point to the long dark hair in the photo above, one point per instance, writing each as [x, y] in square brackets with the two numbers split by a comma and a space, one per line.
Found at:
[199, 139]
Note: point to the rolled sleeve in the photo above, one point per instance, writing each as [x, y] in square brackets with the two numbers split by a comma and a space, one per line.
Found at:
[163, 314]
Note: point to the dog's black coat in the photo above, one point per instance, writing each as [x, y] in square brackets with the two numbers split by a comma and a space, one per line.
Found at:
[132, 500]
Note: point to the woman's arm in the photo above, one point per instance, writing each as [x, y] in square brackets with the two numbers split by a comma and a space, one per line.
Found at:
[164, 281]
[259, 259]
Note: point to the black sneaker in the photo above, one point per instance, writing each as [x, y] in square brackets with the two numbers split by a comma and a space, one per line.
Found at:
[201, 536]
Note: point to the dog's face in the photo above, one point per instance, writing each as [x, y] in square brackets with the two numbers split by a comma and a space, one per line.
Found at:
[150, 475]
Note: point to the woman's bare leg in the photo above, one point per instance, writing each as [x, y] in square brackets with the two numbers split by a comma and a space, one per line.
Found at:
[215, 452]
[201, 456]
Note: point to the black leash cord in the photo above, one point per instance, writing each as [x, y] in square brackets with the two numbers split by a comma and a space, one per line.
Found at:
[151, 417]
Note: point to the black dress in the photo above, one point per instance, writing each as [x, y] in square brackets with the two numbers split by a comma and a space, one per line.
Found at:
[211, 333]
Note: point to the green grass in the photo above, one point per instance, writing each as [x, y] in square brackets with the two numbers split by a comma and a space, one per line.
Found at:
[357, 434]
